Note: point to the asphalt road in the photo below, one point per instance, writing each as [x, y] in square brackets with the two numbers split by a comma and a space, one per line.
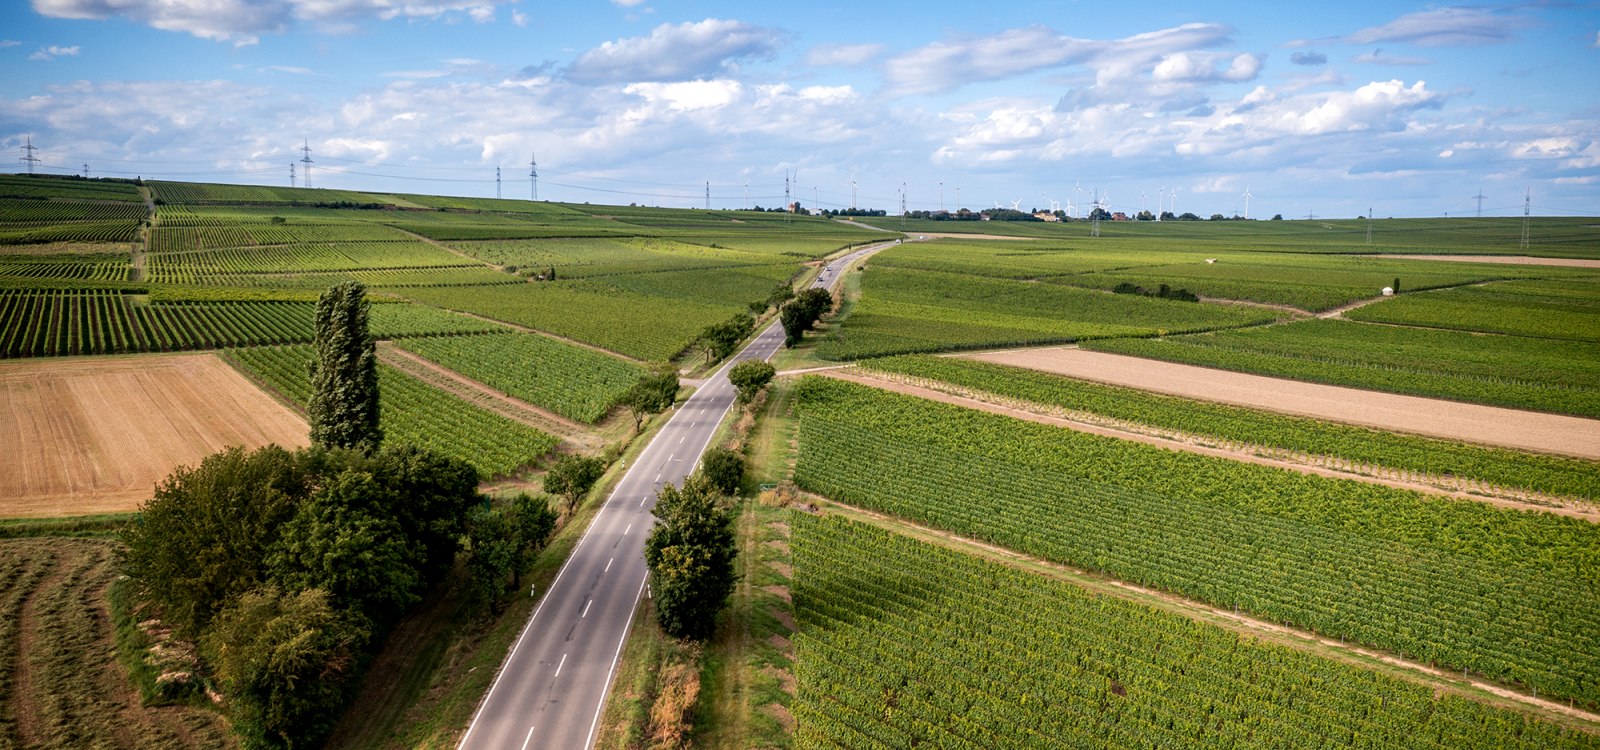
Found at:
[552, 687]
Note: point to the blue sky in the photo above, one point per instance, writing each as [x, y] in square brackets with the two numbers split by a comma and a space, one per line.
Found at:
[1324, 109]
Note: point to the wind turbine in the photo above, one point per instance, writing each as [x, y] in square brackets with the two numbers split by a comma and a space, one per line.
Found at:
[1077, 187]
[1161, 202]
[1016, 205]
[1144, 202]
[1174, 196]
[1246, 196]
[852, 190]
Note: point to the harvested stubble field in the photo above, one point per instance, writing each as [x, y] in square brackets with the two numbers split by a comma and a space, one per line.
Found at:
[94, 434]
[61, 685]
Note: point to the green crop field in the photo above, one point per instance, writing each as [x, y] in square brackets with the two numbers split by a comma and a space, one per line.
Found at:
[905, 311]
[46, 323]
[904, 644]
[1567, 310]
[1253, 430]
[1428, 578]
[413, 412]
[574, 382]
[1524, 373]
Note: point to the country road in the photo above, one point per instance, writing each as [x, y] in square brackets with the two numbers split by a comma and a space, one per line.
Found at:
[552, 687]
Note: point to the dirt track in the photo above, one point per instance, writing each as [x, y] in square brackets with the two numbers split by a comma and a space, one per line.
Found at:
[95, 434]
[1510, 260]
[1524, 430]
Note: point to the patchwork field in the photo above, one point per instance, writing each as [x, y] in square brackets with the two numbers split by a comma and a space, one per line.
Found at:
[94, 435]
[1546, 433]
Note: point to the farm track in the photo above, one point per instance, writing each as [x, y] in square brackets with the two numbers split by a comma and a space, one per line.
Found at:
[485, 396]
[1451, 420]
[1197, 444]
[1246, 625]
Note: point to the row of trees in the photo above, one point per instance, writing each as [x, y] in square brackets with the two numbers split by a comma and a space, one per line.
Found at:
[802, 313]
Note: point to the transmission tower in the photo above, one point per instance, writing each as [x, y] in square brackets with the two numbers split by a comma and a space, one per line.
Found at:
[902, 204]
[708, 195]
[1527, 210]
[533, 174]
[291, 174]
[497, 183]
[1369, 225]
[305, 148]
[1094, 224]
[1479, 198]
[27, 154]
[86, 171]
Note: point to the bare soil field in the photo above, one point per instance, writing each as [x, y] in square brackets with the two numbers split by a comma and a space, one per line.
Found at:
[94, 434]
[1523, 430]
[1510, 260]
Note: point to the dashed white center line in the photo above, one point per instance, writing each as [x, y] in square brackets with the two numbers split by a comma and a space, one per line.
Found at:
[625, 531]
[562, 664]
[642, 499]
[658, 476]
[608, 565]
[527, 739]
[586, 609]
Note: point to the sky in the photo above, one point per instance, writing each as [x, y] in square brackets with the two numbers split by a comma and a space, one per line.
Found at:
[1313, 109]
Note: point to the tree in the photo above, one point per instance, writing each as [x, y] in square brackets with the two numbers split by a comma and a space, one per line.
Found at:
[204, 537]
[793, 318]
[285, 661]
[532, 522]
[1396, 286]
[344, 376]
[690, 554]
[1277, 217]
[750, 376]
[494, 555]
[343, 540]
[572, 477]
[654, 393]
[724, 469]
[431, 497]
[720, 339]
[802, 313]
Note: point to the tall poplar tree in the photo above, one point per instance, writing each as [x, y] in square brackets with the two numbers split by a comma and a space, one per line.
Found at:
[344, 376]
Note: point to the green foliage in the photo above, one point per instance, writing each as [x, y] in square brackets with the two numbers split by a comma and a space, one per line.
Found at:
[750, 376]
[286, 661]
[432, 493]
[343, 409]
[1387, 568]
[906, 644]
[505, 541]
[654, 393]
[720, 339]
[203, 538]
[414, 413]
[802, 313]
[1255, 429]
[1522, 373]
[690, 553]
[723, 468]
[345, 540]
[572, 477]
[569, 380]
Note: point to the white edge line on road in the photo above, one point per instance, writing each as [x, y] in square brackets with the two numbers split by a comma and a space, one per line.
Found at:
[523, 636]
[610, 673]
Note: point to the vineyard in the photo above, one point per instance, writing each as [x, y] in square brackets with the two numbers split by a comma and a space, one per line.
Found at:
[1257, 431]
[1568, 310]
[58, 323]
[413, 412]
[574, 382]
[1430, 579]
[905, 311]
[1522, 373]
[636, 325]
[904, 644]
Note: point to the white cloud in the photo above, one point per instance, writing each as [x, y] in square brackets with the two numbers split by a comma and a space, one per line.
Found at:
[1378, 57]
[9, 43]
[290, 69]
[1199, 66]
[52, 52]
[1308, 58]
[842, 55]
[519, 18]
[244, 21]
[628, 3]
[1380, 105]
[1443, 27]
[946, 65]
[675, 52]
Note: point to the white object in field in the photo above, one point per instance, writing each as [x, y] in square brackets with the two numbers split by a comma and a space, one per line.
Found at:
[1388, 291]
[1211, 260]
